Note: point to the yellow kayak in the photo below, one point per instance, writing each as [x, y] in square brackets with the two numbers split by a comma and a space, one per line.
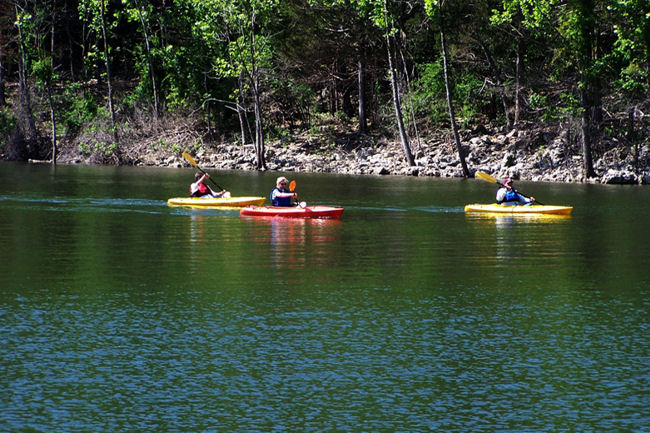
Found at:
[216, 202]
[525, 210]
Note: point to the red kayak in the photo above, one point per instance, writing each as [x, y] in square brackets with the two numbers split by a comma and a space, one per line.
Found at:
[332, 212]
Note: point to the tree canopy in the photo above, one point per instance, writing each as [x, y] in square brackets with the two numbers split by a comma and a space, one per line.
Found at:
[258, 69]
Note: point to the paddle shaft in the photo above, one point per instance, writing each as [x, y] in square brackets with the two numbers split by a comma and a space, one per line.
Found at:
[191, 160]
[216, 184]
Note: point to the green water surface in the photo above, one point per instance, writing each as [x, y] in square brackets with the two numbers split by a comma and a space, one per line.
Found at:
[119, 313]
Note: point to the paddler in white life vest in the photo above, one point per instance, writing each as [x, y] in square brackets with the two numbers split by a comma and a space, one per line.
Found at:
[200, 189]
[508, 196]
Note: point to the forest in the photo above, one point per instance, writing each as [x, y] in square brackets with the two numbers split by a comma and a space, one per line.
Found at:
[100, 73]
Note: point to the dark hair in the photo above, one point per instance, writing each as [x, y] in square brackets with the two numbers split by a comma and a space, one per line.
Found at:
[198, 175]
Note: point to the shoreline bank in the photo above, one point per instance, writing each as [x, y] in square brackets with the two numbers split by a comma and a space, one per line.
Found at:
[532, 155]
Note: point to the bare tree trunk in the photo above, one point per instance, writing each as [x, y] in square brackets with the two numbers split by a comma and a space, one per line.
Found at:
[589, 92]
[66, 17]
[25, 98]
[240, 110]
[3, 101]
[363, 125]
[632, 138]
[49, 87]
[108, 74]
[497, 76]
[259, 127]
[150, 61]
[585, 124]
[452, 116]
[53, 120]
[259, 134]
[396, 98]
[647, 58]
[411, 111]
[398, 106]
[518, 73]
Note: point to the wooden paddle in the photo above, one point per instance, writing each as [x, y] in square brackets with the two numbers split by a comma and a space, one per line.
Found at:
[292, 186]
[189, 159]
[486, 177]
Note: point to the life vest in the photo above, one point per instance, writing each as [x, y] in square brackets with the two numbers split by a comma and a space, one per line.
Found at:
[203, 190]
[280, 201]
[511, 195]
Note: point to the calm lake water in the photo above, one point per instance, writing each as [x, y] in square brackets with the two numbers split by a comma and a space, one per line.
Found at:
[121, 314]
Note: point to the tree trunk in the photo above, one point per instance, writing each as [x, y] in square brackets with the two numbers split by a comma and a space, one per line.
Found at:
[259, 127]
[66, 16]
[452, 116]
[398, 107]
[52, 34]
[646, 33]
[585, 124]
[49, 87]
[411, 112]
[3, 101]
[26, 114]
[150, 61]
[259, 134]
[518, 73]
[240, 110]
[589, 94]
[396, 99]
[53, 120]
[108, 74]
[363, 125]
[497, 76]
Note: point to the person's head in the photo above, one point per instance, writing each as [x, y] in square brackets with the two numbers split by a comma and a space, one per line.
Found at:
[198, 175]
[507, 182]
[281, 182]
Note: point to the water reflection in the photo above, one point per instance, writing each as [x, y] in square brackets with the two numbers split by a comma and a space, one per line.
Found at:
[509, 219]
[295, 242]
[523, 240]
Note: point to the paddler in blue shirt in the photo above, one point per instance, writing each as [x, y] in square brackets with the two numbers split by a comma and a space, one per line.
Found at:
[280, 195]
[508, 196]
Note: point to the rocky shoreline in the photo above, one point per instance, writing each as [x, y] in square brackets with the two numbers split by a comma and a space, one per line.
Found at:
[532, 155]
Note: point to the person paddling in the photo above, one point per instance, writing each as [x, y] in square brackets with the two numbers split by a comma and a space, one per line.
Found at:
[280, 195]
[508, 196]
[200, 189]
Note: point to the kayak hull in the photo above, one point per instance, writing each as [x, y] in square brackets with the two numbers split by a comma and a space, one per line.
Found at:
[332, 212]
[216, 202]
[519, 210]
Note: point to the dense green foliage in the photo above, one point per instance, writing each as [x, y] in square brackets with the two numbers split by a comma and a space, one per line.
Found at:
[260, 68]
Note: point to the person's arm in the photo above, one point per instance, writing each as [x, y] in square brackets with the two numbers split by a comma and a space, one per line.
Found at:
[501, 194]
[285, 194]
[221, 194]
[523, 199]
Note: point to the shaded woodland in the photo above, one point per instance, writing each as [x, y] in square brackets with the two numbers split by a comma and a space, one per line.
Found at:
[97, 73]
